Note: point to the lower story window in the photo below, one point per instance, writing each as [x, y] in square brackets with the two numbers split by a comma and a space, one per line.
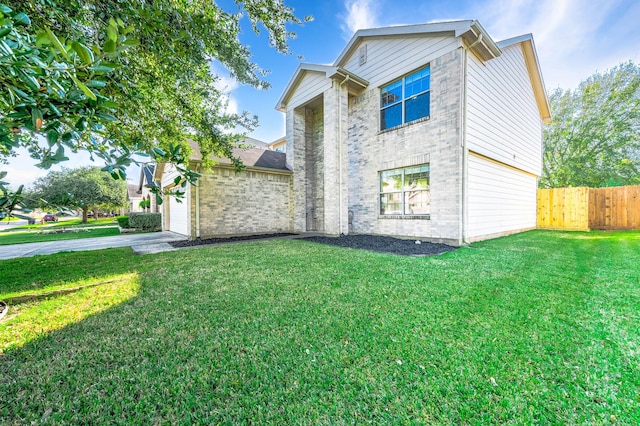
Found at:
[405, 191]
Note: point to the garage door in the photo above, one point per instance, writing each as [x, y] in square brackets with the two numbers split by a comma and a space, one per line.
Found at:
[179, 215]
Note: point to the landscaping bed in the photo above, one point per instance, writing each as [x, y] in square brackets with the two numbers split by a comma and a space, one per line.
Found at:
[385, 244]
[206, 241]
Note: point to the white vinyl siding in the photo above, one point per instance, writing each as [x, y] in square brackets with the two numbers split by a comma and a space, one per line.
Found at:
[503, 121]
[389, 58]
[501, 199]
[312, 84]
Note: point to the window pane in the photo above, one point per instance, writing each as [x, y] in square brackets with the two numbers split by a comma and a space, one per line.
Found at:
[417, 107]
[391, 93]
[416, 178]
[391, 180]
[391, 203]
[391, 117]
[417, 82]
[416, 202]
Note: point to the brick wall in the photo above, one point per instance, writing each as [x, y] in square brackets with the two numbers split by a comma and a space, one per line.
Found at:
[242, 203]
[436, 140]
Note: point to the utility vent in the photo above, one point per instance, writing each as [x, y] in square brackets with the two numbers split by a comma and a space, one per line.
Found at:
[363, 54]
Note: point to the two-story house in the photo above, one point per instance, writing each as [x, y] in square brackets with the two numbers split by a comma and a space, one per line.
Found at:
[430, 131]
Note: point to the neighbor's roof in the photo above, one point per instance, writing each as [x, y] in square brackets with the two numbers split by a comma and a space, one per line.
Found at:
[132, 191]
[146, 177]
[255, 143]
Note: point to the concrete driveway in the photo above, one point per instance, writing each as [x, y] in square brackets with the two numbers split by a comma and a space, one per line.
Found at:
[151, 242]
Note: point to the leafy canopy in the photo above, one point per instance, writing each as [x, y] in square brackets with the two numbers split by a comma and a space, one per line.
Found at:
[116, 78]
[594, 139]
[84, 188]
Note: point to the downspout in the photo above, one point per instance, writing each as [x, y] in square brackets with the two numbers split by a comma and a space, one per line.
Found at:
[340, 151]
[465, 151]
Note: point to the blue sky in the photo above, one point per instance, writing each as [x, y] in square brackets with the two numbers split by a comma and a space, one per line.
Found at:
[574, 39]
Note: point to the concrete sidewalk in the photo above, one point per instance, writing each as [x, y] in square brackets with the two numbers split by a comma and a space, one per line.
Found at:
[151, 242]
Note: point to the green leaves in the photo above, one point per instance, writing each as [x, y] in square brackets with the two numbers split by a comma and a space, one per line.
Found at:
[594, 139]
[85, 53]
[84, 88]
[56, 43]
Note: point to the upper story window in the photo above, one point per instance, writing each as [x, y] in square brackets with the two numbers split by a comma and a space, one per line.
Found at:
[405, 100]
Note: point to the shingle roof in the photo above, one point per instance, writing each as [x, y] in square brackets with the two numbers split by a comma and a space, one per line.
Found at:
[252, 157]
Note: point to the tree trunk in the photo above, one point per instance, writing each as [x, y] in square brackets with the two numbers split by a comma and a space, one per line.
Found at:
[84, 214]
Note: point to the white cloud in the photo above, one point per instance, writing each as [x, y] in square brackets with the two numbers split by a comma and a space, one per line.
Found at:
[226, 85]
[360, 14]
[567, 33]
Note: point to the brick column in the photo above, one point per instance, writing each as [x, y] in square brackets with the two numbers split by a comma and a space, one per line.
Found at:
[336, 215]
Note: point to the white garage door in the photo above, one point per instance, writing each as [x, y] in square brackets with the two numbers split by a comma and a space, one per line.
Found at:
[179, 215]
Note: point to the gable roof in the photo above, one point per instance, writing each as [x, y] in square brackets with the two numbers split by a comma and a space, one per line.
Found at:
[355, 83]
[533, 68]
[470, 31]
[472, 34]
[147, 171]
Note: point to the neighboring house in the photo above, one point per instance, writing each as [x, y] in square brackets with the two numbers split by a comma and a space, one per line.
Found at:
[431, 131]
[255, 143]
[134, 198]
[147, 181]
[225, 202]
[279, 145]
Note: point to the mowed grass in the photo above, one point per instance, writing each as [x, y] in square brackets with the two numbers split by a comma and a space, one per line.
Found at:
[540, 327]
[67, 223]
[16, 237]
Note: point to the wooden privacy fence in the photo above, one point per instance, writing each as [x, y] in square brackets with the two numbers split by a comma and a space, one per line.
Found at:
[589, 208]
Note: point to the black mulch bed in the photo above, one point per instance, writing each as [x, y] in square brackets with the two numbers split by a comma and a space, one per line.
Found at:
[385, 244]
[200, 242]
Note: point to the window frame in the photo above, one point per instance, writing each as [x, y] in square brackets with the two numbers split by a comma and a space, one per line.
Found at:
[404, 99]
[403, 191]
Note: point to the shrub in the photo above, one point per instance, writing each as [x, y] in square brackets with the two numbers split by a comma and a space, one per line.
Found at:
[123, 221]
[146, 221]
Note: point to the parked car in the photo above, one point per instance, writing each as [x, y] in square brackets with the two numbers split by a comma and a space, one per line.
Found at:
[49, 218]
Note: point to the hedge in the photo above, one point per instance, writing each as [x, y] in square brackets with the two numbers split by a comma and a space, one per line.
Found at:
[123, 221]
[146, 221]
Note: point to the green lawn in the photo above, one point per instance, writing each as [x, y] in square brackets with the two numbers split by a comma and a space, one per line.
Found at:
[66, 223]
[50, 235]
[536, 328]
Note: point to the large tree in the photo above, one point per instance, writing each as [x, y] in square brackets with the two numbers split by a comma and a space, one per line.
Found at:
[86, 188]
[116, 77]
[594, 139]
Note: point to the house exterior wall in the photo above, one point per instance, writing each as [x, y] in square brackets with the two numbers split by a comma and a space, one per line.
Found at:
[436, 141]
[503, 120]
[502, 200]
[390, 57]
[252, 201]
[503, 124]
